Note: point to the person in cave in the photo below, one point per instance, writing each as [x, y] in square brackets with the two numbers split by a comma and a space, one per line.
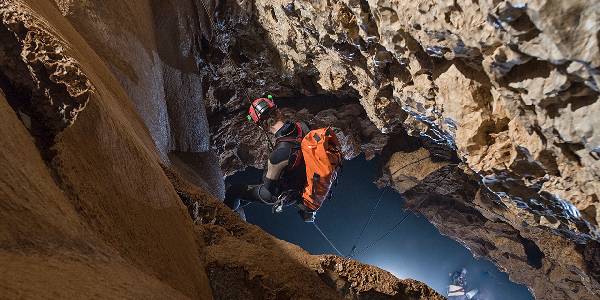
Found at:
[285, 175]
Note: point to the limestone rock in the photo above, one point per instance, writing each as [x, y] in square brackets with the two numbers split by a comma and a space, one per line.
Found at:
[92, 201]
[512, 86]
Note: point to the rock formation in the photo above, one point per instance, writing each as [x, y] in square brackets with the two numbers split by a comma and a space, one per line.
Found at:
[503, 95]
[104, 134]
[484, 112]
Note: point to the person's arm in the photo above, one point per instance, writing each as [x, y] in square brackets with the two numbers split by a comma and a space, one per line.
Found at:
[278, 161]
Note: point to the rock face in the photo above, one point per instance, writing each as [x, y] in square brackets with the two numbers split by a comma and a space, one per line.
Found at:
[71, 211]
[153, 48]
[96, 201]
[502, 94]
[479, 71]
[485, 113]
[555, 264]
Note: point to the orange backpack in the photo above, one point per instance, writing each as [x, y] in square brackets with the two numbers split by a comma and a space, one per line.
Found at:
[323, 158]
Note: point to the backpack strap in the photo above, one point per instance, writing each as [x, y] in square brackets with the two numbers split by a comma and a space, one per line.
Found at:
[297, 139]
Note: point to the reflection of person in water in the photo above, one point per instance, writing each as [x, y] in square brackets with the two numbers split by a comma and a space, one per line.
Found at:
[457, 289]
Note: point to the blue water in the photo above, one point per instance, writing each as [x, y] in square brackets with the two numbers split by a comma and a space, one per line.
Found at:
[415, 250]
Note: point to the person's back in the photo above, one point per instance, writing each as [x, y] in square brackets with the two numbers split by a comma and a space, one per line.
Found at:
[287, 156]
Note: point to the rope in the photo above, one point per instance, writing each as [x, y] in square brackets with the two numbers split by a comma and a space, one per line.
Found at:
[327, 239]
[353, 250]
[247, 204]
[383, 236]
[362, 231]
[264, 131]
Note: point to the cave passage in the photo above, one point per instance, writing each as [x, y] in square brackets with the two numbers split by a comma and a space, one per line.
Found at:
[415, 250]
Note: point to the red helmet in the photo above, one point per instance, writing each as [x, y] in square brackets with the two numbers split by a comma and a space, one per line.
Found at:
[260, 107]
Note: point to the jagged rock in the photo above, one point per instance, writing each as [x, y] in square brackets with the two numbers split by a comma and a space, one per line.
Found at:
[511, 85]
[394, 55]
[87, 207]
[75, 222]
[485, 224]
[35, 61]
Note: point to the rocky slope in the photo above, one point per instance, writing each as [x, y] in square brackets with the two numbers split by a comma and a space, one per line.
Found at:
[104, 133]
[244, 262]
[501, 97]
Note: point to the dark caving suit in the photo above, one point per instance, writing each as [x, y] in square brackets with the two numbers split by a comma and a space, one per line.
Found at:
[285, 173]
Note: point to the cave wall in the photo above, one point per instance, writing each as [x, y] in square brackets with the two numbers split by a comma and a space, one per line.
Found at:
[71, 210]
[91, 205]
[244, 262]
[554, 264]
[504, 93]
[153, 48]
[511, 83]
[91, 94]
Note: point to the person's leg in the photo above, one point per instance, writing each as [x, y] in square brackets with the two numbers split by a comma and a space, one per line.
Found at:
[250, 193]
[234, 193]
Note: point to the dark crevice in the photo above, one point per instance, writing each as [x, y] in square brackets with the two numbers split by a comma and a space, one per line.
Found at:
[569, 150]
[534, 255]
[350, 54]
[576, 96]
[19, 88]
[529, 70]
[314, 104]
[591, 253]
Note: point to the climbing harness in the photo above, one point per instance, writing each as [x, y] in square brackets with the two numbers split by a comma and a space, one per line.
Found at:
[327, 239]
[282, 201]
